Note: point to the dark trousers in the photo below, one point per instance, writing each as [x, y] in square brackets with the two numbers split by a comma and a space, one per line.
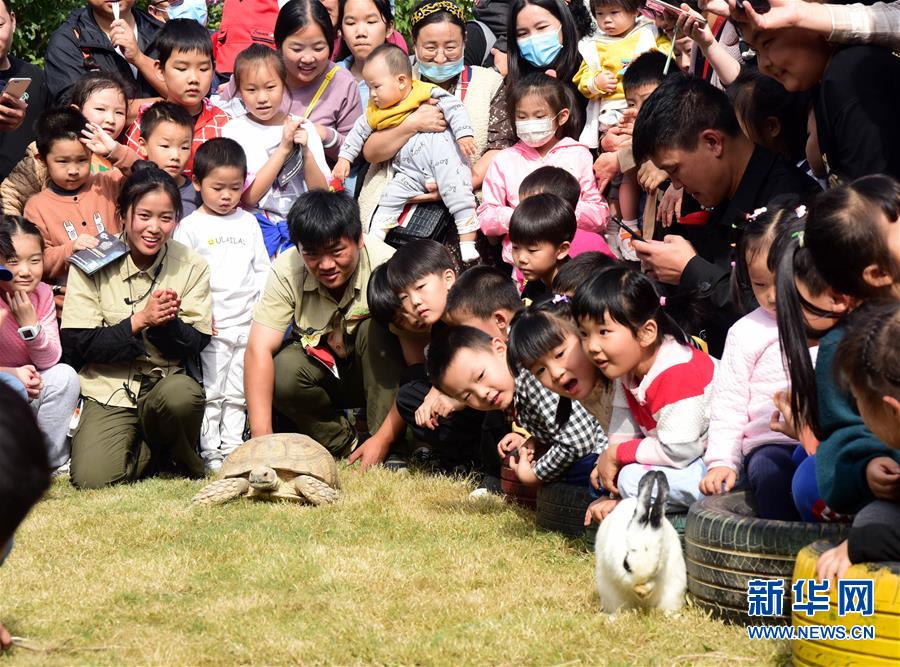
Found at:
[310, 396]
[770, 473]
[114, 444]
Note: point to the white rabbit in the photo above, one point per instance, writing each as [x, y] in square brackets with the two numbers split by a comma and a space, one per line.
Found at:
[639, 559]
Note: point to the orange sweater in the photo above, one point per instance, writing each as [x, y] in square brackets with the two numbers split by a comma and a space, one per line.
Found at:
[50, 212]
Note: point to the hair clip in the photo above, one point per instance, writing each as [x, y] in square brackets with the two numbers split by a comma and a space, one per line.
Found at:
[662, 302]
[799, 236]
[800, 211]
[758, 212]
[557, 298]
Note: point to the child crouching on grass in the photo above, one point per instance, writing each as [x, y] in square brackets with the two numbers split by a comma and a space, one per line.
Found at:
[661, 408]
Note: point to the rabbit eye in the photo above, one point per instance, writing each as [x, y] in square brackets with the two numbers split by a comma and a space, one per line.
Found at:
[626, 565]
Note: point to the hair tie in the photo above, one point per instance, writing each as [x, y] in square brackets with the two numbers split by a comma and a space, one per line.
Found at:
[800, 236]
[435, 7]
[756, 213]
[662, 302]
[800, 211]
[560, 298]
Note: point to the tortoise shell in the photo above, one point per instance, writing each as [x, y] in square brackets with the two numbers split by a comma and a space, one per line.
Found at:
[291, 452]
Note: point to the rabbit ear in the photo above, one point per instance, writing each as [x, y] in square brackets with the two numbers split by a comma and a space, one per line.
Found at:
[662, 494]
[644, 498]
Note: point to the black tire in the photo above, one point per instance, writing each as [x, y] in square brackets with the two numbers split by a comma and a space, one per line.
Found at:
[726, 546]
[677, 519]
[561, 508]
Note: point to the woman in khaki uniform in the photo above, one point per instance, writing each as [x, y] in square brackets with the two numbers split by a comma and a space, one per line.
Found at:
[135, 329]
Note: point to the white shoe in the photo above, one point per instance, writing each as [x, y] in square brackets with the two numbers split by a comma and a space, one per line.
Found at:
[212, 466]
[63, 470]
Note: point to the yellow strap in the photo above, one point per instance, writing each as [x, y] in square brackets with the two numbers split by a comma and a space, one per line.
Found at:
[322, 87]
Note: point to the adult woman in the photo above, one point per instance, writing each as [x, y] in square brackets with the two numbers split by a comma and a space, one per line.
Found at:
[438, 32]
[135, 328]
[546, 40]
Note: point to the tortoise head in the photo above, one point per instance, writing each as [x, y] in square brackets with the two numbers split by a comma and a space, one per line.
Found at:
[264, 478]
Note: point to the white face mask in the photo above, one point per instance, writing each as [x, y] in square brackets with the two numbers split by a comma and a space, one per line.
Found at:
[535, 132]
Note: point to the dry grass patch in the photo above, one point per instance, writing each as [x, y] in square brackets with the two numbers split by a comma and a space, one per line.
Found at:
[405, 569]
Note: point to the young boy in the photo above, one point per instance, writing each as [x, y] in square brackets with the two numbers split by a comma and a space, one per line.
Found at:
[394, 95]
[76, 205]
[186, 64]
[230, 240]
[485, 300]
[541, 230]
[166, 138]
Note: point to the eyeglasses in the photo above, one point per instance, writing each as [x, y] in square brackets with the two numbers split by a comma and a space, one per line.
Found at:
[450, 52]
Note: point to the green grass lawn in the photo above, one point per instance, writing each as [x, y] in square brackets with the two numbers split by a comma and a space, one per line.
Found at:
[405, 569]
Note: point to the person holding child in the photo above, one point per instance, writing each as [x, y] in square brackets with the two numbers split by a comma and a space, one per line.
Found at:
[135, 329]
[229, 239]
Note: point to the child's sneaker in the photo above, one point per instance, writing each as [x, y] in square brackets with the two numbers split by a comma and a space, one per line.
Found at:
[63, 470]
[490, 485]
[395, 463]
[626, 249]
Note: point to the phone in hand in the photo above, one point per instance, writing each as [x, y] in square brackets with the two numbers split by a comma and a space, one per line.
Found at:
[759, 6]
[660, 7]
[16, 87]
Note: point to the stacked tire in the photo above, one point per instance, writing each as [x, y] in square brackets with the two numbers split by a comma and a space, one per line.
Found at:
[881, 651]
[561, 508]
[726, 546]
[513, 490]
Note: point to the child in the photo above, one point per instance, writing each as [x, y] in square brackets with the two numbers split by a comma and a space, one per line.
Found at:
[103, 101]
[741, 441]
[848, 237]
[269, 137]
[229, 239]
[76, 205]
[539, 109]
[394, 95]
[186, 64]
[663, 387]
[541, 231]
[870, 367]
[166, 136]
[560, 182]
[29, 338]
[624, 34]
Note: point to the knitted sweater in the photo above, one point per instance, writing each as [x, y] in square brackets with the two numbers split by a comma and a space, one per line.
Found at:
[500, 190]
[849, 445]
[751, 371]
[44, 350]
[664, 418]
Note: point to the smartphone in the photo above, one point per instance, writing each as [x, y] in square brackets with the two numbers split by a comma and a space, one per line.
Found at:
[759, 6]
[660, 7]
[16, 87]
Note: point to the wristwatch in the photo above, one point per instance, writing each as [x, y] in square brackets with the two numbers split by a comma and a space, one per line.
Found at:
[29, 333]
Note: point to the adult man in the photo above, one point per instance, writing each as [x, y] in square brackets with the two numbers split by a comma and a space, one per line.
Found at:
[337, 356]
[17, 115]
[689, 129]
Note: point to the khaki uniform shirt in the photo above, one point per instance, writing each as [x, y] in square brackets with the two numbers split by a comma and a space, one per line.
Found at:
[99, 301]
[293, 293]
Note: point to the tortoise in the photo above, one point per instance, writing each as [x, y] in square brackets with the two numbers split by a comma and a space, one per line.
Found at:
[281, 466]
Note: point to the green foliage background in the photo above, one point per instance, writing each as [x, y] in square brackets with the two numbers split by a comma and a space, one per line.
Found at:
[37, 19]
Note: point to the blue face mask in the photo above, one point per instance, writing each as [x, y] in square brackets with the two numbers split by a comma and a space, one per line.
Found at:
[189, 9]
[541, 49]
[440, 73]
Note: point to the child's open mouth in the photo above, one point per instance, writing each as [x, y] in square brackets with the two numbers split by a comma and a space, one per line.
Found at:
[571, 386]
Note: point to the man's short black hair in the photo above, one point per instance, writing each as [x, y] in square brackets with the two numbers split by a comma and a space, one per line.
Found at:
[677, 112]
[394, 57]
[24, 468]
[320, 218]
[384, 304]
[445, 345]
[165, 112]
[578, 270]
[646, 70]
[218, 152]
[415, 260]
[185, 35]
[542, 218]
[481, 291]
[551, 179]
[58, 125]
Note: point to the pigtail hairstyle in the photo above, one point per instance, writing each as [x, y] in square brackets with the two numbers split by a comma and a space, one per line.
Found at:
[628, 297]
[843, 233]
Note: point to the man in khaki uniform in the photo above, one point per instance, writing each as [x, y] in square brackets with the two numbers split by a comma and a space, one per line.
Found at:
[337, 356]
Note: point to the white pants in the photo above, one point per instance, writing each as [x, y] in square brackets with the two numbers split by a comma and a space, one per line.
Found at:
[223, 379]
[53, 409]
[684, 483]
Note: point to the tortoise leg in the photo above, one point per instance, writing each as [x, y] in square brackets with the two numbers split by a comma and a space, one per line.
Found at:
[221, 491]
[315, 490]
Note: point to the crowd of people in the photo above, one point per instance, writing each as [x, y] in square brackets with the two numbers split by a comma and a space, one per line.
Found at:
[611, 238]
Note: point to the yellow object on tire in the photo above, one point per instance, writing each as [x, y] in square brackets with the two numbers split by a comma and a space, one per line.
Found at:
[884, 649]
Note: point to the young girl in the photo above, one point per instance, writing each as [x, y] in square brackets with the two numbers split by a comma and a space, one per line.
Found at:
[103, 101]
[29, 338]
[663, 387]
[273, 142]
[848, 238]
[539, 110]
[751, 372]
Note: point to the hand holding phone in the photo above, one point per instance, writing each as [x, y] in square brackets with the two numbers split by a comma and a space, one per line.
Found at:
[16, 87]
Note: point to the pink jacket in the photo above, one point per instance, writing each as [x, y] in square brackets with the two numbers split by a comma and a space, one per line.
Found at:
[42, 352]
[750, 373]
[500, 190]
